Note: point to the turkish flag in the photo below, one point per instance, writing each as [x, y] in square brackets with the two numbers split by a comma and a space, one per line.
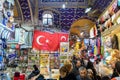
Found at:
[45, 41]
[63, 37]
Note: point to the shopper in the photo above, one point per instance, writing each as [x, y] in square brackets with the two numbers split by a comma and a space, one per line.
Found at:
[76, 67]
[112, 63]
[117, 67]
[66, 73]
[82, 74]
[91, 67]
[35, 75]
[63, 73]
[70, 75]
[90, 74]
[105, 78]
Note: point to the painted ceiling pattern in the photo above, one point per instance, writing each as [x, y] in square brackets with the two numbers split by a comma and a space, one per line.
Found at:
[25, 9]
[67, 15]
[63, 0]
[101, 4]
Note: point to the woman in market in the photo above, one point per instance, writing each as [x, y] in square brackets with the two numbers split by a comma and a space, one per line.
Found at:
[117, 67]
[66, 72]
[90, 66]
[35, 75]
[69, 68]
[63, 73]
[90, 74]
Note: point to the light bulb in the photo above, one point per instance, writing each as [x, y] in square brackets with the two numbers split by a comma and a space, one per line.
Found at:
[63, 6]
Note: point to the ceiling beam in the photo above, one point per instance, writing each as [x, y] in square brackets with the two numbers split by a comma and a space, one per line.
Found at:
[31, 13]
[36, 13]
[20, 10]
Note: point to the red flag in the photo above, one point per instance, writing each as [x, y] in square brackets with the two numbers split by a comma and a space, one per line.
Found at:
[45, 41]
[63, 37]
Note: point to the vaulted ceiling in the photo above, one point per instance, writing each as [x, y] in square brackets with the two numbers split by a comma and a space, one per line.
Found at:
[28, 6]
[31, 10]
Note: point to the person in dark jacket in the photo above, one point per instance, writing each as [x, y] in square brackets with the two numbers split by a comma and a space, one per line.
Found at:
[117, 67]
[90, 74]
[82, 74]
[76, 67]
[70, 75]
[35, 74]
[66, 73]
[105, 78]
[63, 73]
[90, 66]
[115, 74]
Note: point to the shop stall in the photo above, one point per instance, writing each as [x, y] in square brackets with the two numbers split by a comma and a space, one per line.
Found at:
[51, 47]
[6, 29]
[110, 29]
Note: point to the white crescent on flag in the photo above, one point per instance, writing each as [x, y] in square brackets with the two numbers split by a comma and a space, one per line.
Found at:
[63, 37]
[38, 40]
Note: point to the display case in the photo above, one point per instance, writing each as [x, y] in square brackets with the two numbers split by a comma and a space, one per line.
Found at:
[33, 59]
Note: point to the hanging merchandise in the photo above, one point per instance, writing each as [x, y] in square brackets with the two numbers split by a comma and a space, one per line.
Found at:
[102, 50]
[114, 41]
[64, 47]
[95, 31]
[86, 42]
[21, 36]
[98, 44]
[1, 5]
[28, 40]
[44, 64]
[95, 50]
[1, 58]
[2, 54]
[33, 59]
[17, 32]
[11, 56]
[54, 64]
[92, 33]
[8, 19]
[17, 46]
[107, 43]
[54, 61]
[23, 60]
[64, 51]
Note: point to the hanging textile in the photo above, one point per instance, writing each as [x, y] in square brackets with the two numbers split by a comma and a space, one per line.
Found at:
[98, 45]
[114, 41]
[102, 50]
[95, 50]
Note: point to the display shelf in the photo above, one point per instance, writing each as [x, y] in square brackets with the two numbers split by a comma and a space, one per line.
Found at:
[112, 29]
[33, 59]
[107, 8]
[109, 18]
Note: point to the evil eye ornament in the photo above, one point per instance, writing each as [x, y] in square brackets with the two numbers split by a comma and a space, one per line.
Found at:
[8, 14]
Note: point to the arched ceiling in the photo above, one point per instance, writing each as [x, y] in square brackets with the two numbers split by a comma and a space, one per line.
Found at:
[25, 5]
[81, 25]
[27, 9]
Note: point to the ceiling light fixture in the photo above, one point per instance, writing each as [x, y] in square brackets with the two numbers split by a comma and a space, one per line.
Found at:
[63, 6]
[88, 9]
